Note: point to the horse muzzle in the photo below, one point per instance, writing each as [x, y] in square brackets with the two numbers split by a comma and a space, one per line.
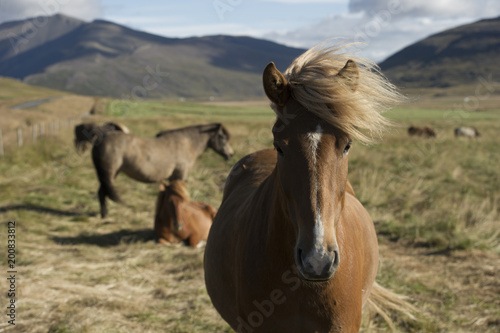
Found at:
[317, 265]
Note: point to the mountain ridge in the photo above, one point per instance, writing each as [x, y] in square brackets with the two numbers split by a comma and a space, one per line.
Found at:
[457, 56]
[102, 58]
[106, 59]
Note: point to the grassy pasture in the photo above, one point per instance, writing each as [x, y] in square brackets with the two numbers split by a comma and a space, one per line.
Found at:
[435, 202]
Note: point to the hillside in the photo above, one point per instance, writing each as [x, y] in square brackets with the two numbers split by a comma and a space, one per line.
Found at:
[14, 92]
[458, 56]
[105, 59]
[20, 36]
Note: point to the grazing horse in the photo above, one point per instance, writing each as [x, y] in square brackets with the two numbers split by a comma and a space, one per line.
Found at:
[291, 248]
[469, 132]
[178, 218]
[170, 155]
[89, 133]
[426, 132]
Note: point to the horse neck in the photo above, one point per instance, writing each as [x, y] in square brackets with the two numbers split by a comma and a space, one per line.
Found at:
[199, 140]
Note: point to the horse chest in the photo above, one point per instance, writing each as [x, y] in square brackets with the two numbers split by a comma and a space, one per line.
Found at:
[288, 305]
[272, 298]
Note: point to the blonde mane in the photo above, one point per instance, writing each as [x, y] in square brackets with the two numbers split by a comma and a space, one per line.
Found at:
[315, 84]
[179, 188]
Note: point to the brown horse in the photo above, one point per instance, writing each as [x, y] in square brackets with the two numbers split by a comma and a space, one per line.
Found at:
[88, 133]
[291, 248]
[170, 155]
[178, 218]
[426, 132]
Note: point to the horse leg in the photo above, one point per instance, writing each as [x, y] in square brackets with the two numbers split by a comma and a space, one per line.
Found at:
[178, 174]
[102, 200]
[168, 239]
[105, 168]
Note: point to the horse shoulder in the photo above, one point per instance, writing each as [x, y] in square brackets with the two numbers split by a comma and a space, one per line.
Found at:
[355, 216]
[250, 171]
[234, 228]
[201, 220]
[358, 239]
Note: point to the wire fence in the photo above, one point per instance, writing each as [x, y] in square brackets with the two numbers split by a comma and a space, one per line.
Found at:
[16, 138]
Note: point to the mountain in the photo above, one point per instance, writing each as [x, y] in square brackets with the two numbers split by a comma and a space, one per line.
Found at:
[459, 56]
[20, 36]
[106, 59]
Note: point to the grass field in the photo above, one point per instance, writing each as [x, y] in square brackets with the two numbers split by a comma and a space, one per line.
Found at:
[435, 203]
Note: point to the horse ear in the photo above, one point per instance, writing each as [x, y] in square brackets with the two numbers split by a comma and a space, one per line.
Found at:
[220, 129]
[275, 85]
[350, 73]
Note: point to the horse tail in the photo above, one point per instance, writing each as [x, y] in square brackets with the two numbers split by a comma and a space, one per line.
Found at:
[382, 301]
[103, 176]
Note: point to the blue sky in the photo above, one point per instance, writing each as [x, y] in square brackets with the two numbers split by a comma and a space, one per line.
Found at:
[197, 18]
[385, 26]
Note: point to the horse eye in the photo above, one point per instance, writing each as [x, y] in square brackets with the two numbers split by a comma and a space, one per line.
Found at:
[347, 147]
[278, 149]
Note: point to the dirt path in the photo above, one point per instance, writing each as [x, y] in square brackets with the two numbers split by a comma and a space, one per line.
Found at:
[33, 104]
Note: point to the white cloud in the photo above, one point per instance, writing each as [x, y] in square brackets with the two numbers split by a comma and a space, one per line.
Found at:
[308, 1]
[386, 26]
[425, 8]
[22, 9]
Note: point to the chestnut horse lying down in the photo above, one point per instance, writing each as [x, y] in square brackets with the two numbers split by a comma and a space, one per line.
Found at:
[426, 132]
[89, 133]
[178, 218]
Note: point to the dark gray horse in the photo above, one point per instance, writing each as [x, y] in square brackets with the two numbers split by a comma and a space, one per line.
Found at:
[170, 155]
[88, 133]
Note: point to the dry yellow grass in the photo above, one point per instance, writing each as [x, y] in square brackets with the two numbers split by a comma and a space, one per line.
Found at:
[79, 273]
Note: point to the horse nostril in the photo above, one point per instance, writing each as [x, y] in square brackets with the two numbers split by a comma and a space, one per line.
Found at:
[336, 259]
[299, 256]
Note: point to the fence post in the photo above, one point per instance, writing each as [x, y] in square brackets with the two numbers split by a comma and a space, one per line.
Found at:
[34, 133]
[1, 144]
[42, 130]
[19, 137]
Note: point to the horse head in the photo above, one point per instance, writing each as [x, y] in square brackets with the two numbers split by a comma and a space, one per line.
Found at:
[312, 171]
[219, 142]
[85, 134]
[176, 194]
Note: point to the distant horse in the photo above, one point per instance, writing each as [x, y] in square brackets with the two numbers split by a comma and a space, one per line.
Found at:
[469, 132]
[170, 155]
[426, 132]
[178, 218]
[291, 248]
[88, 133]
